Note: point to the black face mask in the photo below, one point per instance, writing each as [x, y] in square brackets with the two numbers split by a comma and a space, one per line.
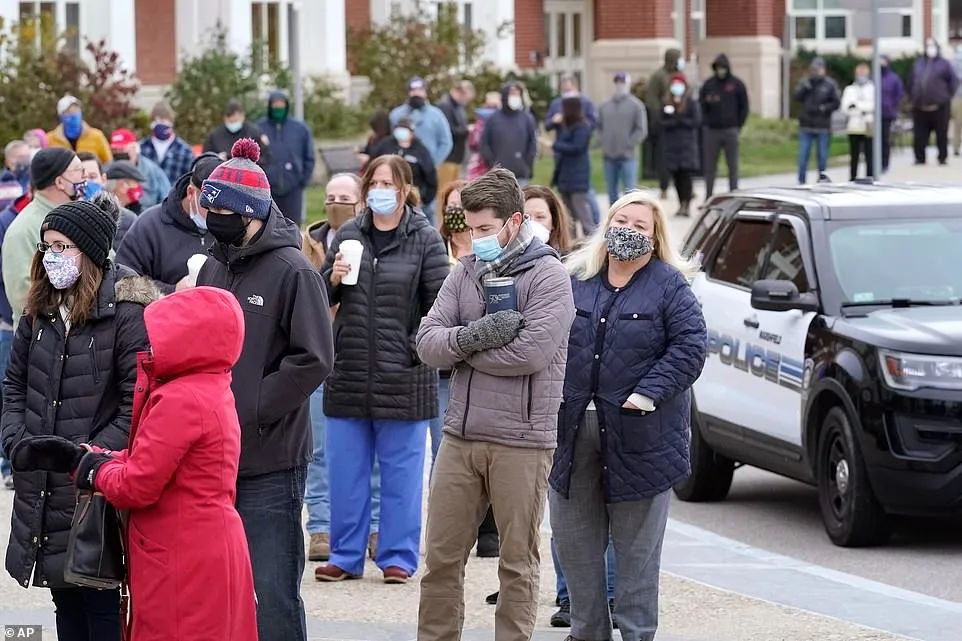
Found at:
[227, 228]
[416, 102]
[121, 156]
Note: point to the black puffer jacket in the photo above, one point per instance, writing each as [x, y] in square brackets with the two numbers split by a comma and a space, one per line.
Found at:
[377, 372]
[81, 388]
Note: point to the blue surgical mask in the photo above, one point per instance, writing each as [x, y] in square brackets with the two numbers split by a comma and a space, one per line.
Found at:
[382, 202]
[402, 134]
[488, 248]
[72, 125]
[91, 189]
[234, 127]
[677, 89]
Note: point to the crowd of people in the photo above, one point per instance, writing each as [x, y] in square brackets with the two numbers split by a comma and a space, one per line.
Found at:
[174, 338]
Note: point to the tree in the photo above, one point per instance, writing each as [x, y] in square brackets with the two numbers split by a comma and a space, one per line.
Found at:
[440, 51]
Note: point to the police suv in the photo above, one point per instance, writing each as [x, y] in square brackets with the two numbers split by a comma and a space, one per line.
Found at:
[835, 349]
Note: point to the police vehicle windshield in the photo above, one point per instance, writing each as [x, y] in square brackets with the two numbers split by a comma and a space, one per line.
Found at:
[916, 261]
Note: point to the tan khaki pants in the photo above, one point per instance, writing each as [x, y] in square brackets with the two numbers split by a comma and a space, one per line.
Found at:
[467, 476]
[448, 172]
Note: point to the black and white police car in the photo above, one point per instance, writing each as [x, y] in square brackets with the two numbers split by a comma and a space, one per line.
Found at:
[835, 349]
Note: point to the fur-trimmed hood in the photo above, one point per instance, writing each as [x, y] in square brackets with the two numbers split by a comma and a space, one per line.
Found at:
[136, 289]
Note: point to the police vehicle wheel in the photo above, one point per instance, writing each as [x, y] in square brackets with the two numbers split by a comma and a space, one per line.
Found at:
[852, 516]
[711, 473]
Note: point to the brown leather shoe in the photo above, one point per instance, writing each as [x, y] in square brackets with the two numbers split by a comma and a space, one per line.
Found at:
[320, 548]
[331, 574]
[395, 575]
[372, 546]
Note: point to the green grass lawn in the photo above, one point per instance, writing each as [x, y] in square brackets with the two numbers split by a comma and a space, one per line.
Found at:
[760, 156]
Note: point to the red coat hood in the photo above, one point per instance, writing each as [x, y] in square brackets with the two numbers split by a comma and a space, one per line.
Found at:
[195, 330]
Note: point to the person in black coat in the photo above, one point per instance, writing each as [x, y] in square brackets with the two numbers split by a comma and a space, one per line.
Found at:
[287, 354]
[819, 97]
[72, 374]
[724, 106]
[572, 169]
[403, 142]
[679, 121]
[159, 243]
[380, 396]
[221, 139]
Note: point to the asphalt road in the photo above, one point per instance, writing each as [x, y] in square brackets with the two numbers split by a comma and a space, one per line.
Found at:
[781, 515]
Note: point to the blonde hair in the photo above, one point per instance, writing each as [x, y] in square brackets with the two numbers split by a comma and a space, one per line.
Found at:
[588, 261]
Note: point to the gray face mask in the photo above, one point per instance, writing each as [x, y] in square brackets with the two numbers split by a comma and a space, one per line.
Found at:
[627, 244]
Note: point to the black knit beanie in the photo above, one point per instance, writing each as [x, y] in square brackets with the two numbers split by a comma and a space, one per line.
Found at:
[48, 164]
[90, 228]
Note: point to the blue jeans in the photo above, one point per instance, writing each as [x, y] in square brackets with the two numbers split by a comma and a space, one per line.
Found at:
[437, 424]
[623, 171]
[593, 205]
[270, 506]
[318, 497]
[6, 342]
[352, 447]
[805, 140]
[562, 584]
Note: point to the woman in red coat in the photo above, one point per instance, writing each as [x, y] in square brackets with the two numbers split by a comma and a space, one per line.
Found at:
[189, 567]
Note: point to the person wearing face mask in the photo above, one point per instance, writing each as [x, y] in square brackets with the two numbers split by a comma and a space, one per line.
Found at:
[37, 139]
[572, 170]
[222, 138]
[819, 98]
[500, 427]
[126, 182]
[291, 165]
[656, 91]
[15, 179]
[77, 343]
[724, 107]
[124, 145]
[931, 85]
[164, 146]
[858, 101]
[96, 180]
[57, 177]
[166, 235]
[679, 122]
[554, 119]
[623, 126]
[476, 165]
[287, 354]
[380, 397]
[510, 137]
[403, 142]
[623, 430]
[892, 92]
[74, 133]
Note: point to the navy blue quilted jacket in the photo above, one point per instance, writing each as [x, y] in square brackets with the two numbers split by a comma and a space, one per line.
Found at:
[647, 338]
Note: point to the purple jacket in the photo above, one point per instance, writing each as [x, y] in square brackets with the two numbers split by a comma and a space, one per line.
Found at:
[892, 90]
[933, 82]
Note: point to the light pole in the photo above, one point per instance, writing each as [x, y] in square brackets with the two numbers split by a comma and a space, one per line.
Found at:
[294, 34]
[877, 82]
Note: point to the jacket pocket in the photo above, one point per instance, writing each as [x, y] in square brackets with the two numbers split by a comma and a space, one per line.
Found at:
[94, 369]
[641, 431]
[526, 399]
[152, 581]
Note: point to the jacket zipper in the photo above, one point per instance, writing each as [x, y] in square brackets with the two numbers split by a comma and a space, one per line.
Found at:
[528, 388]
[371, 334]
[467, 406]
[93, 360]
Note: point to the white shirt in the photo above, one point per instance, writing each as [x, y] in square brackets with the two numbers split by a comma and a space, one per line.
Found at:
[161, 147]
[639, 401]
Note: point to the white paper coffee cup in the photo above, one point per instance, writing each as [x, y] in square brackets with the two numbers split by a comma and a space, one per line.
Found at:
[352, 250]
[194, 263]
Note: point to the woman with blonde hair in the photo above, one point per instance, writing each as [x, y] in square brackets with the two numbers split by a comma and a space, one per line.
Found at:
[637, 344]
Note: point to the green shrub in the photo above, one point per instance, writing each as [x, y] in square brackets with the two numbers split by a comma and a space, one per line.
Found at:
[328, 115]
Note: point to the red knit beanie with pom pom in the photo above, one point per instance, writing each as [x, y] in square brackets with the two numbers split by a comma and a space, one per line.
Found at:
[239, 185]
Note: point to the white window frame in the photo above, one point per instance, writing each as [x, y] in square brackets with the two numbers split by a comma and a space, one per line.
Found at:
[820, 42]
[283, 49]
[59, 17]
[555, 65]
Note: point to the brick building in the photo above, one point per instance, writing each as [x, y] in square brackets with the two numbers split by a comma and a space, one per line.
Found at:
[589, 38]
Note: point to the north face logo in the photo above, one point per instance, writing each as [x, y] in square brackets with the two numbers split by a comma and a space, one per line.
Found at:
[212, 193]
[256, 300]
[248, 209]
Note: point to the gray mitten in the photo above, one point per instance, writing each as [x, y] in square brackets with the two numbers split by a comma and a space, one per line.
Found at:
[490, 332]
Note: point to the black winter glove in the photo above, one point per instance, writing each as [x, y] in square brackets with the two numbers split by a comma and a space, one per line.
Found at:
[87, 470]
[490, 332]
[46, 453]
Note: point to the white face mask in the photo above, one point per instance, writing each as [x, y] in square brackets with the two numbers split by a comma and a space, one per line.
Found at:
[681, 64]
[932, 51]
[540, 231]
[515, 103]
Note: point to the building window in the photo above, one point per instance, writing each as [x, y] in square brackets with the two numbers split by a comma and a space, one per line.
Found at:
[907, 26]
[468, 21]
[561, 39]
[835, 27]
[56, 19]
[820, 20]
[265, 34]
[805, 28]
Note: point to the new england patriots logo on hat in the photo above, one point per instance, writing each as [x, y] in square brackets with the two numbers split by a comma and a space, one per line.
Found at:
[211, 193]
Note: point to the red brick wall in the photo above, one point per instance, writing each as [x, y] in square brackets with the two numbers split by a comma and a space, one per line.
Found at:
[633, 19]
[728, 18]
[357, 17]
[156, 36]
[927, 18]
[528, 32]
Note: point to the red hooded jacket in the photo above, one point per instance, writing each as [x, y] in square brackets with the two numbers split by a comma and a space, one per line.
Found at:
[189, 566]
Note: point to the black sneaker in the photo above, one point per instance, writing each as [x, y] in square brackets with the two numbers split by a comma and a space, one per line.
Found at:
[492, 599]
[488, 546]
[562, 618]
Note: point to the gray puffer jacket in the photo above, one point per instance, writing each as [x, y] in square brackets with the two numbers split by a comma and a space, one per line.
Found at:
[509, 395]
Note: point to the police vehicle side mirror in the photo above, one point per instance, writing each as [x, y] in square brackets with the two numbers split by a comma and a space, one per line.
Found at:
[781, 296]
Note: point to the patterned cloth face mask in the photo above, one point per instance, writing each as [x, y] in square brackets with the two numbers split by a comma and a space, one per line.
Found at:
[61, 270]
[627, 244]
[454, 219]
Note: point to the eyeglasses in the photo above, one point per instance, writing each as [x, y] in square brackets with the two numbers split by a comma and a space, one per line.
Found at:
[55, 247]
